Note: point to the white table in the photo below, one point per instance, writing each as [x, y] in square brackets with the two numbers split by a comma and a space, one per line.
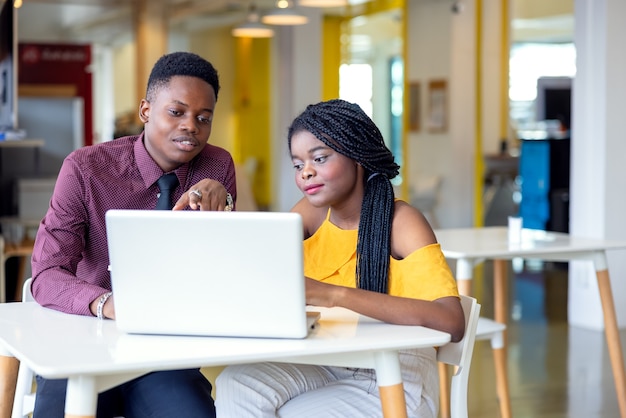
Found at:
[95, 356]
[470, 246]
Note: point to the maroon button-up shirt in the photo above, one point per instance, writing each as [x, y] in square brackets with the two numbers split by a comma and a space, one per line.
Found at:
[70, 259]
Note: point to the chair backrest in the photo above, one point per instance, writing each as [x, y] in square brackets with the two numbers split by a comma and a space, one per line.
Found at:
[459, 354]
[27, 294]
[24, 401]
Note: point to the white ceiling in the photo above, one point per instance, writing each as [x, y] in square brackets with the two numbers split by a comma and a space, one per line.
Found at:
[110, 21]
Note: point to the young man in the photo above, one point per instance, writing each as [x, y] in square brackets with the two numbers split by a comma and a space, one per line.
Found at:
[70, 258]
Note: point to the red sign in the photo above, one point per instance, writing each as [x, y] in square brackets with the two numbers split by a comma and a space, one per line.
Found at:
[59, 64]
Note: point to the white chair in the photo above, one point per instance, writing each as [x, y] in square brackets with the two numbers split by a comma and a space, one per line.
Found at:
[24, 401]
[492, 331]
[459, 354]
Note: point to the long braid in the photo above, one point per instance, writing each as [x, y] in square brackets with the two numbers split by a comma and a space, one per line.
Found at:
[345, 128]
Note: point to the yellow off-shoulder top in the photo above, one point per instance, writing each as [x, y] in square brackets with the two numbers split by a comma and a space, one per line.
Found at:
[330, 256]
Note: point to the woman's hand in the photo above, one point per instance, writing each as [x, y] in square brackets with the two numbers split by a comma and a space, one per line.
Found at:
[444, 314]
[207, 194]
[321, 294]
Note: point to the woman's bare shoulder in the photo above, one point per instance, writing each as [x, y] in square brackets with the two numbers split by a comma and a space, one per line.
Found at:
[410, 230]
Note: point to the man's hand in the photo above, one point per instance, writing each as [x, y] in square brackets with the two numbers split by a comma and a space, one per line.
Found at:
[108, 309]
[207, 194]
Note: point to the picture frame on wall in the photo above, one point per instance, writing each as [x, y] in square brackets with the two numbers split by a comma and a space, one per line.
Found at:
[414, 106]
[437, 106]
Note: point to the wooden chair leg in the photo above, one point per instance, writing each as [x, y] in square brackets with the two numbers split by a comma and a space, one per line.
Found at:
[444, 391]
[502, 382]
[8, 379]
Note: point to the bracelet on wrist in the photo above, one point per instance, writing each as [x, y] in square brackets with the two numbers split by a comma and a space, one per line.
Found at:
[101, 303]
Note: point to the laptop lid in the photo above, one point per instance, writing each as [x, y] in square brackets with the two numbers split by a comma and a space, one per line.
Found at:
[236, 274]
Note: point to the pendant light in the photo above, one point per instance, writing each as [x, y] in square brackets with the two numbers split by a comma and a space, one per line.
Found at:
[323, 3]
[285, 13]
[252, 28]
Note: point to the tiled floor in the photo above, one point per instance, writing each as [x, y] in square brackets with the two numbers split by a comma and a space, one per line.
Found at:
[555, 371]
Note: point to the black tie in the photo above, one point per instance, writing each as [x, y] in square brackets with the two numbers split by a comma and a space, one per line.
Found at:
[167, 183]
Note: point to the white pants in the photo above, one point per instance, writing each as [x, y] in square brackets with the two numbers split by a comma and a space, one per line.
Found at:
[300, 391]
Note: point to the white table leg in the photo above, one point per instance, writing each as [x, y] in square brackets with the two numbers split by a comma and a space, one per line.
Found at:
[464, 274]
[82, 397]
[389, 379]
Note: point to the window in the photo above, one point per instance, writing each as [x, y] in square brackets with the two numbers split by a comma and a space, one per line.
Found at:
[530, 61]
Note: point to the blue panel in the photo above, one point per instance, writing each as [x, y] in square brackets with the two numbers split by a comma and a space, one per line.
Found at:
[535, 176]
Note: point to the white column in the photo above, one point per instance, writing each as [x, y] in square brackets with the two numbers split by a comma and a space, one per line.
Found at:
[103, 94]
[297, 83]
[598, 174]
[462, 94]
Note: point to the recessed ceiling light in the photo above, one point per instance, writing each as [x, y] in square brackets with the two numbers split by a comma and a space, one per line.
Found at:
[285, 13]
[323, 3]
[252, 28]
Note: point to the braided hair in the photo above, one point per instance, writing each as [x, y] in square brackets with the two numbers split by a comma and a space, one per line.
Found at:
[346, 128]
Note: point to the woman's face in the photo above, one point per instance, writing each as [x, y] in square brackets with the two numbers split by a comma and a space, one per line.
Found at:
[326, 177]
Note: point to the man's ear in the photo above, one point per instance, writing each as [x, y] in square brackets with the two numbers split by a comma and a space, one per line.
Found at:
[144, 111]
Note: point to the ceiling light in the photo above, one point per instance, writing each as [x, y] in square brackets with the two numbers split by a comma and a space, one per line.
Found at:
[17, 4]
[285, 13]
[252, 28]
[323, 3]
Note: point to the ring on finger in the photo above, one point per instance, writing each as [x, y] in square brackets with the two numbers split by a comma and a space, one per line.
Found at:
[196, 192]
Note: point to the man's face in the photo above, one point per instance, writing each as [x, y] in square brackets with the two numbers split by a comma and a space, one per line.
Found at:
[177, 121]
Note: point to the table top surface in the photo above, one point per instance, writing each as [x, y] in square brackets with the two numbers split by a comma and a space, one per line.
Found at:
[55, 344]
[493, 242]
[22, 143]
[23, 248]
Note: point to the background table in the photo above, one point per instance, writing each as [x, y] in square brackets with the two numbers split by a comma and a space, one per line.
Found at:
[95, 356]
[22, 250]
[34, 144]
[470, 246]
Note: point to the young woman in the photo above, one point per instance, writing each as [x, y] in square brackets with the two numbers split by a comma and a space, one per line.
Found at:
[364, 250]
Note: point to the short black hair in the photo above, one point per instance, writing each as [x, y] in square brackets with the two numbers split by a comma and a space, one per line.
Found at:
[181, 64]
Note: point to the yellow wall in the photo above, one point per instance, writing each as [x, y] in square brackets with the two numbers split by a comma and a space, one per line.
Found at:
[252, 107]
[217, 47]
[125, 80]
[242, 119]
[331, 45]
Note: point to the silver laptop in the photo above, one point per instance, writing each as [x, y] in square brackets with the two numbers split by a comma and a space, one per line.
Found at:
[235, 274]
